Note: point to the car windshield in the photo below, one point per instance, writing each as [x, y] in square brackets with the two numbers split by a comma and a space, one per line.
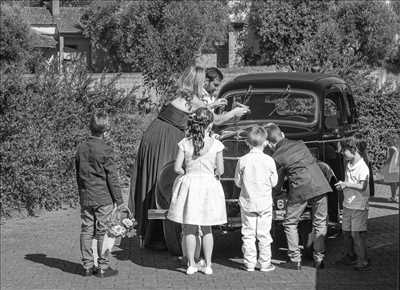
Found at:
[290, 106]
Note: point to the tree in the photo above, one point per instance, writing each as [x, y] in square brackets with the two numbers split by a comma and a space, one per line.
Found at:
[281, 28]
[309, 35]
[158, 38]
[15, 36]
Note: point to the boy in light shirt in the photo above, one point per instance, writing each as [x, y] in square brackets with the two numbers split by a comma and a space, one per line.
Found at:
[355, 205]
[256, 175]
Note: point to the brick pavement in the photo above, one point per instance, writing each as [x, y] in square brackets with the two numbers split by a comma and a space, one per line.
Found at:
[43, 253]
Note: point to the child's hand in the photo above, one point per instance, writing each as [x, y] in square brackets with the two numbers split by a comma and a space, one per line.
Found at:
[341, 185]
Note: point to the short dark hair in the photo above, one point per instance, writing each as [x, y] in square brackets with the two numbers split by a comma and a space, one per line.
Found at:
[212, 73]
[271, 128]
[355, 144]
[99, 123]
[257, 136]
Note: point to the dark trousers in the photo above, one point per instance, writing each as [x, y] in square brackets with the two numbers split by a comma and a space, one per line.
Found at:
[93, 228]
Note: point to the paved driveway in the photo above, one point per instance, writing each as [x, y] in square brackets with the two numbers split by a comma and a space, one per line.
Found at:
[43, 253]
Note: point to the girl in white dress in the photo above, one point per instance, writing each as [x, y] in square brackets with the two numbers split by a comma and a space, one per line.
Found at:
[198, 199]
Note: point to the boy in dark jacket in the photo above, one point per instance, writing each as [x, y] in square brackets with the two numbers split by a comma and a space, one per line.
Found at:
[307, 185]
[99, 191]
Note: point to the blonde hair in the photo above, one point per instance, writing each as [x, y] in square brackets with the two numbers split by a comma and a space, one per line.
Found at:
[192, 80]
[257, 136]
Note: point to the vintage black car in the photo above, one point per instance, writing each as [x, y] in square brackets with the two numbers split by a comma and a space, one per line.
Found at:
[316, 108]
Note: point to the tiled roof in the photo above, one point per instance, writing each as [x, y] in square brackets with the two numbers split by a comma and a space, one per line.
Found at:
[67, 21]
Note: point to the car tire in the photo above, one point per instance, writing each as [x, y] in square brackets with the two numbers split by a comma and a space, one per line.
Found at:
[173, 237]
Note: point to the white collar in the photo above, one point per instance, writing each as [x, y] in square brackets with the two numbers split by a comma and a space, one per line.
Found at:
[256, 150]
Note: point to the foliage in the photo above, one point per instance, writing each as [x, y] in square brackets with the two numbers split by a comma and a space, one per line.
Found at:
[42, 121]
[15, 36]
[350, 38]
[159, 38]
[379, 114]
[297, 34]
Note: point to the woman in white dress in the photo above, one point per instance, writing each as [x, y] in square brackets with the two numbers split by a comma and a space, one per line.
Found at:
[391, 167]
[198, 198]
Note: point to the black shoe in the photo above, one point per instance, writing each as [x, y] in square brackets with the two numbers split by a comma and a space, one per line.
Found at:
[364, 266]
[291, 265]
[319, 264]
[95, 270]
[109, 272]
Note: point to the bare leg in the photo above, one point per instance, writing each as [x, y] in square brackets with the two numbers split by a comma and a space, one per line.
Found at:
[198, 248]
[348, 244]
[189, 243]
[363, 236]
[208, 244]
[360, 247]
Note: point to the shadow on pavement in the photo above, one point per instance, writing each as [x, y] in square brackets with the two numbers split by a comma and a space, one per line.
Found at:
[63, 265]
[129, 250]
[383, 251]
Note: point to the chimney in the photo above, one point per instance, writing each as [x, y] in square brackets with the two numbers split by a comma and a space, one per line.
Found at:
[55, 7]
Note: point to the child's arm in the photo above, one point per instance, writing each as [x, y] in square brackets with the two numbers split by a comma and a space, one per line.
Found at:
[112, 179]
[179, 162]
[274, 175]
[238, 175]
[220, 164]
[361, 186]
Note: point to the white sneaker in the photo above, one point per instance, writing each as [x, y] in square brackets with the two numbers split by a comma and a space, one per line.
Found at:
[249, 267]
[207, 270]
[267, 268]
[191, 270]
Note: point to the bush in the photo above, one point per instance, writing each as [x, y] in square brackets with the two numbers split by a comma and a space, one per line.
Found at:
[315, 35]
[158, 38]
[43, 120]
[15, 36]
[379, 114]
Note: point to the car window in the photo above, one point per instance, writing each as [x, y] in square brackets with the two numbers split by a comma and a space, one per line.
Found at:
[331, 111]
[330, 108]
[286, 106]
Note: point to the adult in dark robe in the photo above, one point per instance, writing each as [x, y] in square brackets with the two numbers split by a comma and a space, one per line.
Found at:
[159, 147]
[307, 185]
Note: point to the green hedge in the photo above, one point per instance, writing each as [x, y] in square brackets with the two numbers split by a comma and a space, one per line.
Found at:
[43, 119]
[378, 113]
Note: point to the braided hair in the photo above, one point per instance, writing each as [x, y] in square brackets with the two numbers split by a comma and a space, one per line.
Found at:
[197, 125]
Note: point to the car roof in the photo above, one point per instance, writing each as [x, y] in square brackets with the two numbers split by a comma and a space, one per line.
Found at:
[316, 82]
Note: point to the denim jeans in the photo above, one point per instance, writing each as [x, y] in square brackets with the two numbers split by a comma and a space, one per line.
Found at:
[319, 227]
[256, 226]
[93, 228]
